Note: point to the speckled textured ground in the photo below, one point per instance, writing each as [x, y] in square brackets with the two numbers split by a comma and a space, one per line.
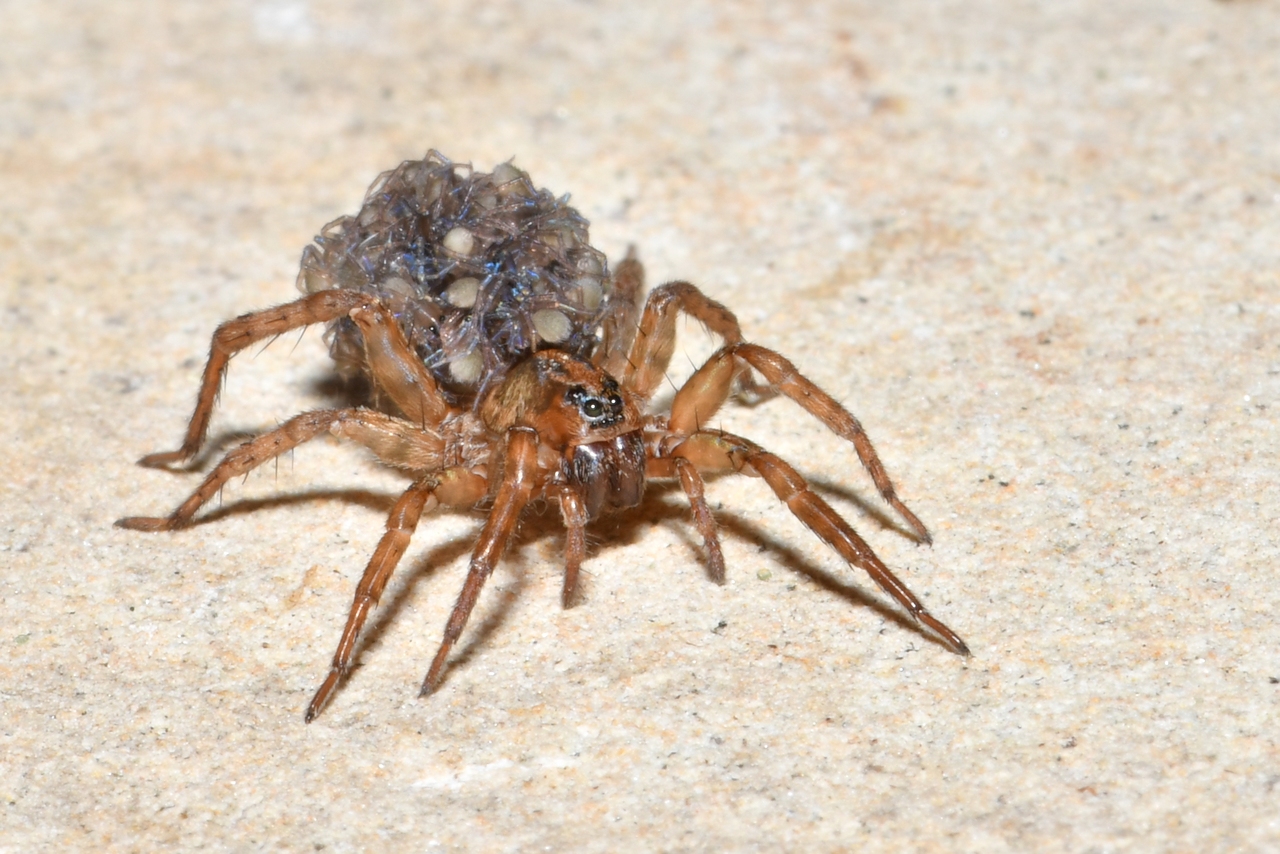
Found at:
[1035, 249]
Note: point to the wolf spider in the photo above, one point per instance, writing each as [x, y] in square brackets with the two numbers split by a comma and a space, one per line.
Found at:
[557, 413]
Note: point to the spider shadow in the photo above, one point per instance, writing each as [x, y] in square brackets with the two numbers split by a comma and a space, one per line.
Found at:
[215, 446]
[375, 501]
[343, 392]
[872, 510]
[540, 522]
[438, 558]
[852, 593]
[663, 504]
[794, 560]
[339, 393]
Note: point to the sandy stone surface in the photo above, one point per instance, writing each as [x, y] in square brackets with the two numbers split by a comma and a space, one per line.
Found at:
[1035, 247]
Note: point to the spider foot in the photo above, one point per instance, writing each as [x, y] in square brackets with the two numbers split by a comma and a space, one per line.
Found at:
[435, 675]
[321, 698]
[147, 523]
[953, 641]
[165, 459]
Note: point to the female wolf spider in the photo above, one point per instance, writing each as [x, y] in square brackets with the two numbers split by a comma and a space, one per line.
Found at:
[509, 365]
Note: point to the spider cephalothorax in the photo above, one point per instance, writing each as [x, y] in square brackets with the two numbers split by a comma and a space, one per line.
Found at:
[509, 364]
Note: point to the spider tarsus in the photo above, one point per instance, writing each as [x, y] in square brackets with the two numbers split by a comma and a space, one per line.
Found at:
[435, 674]
[164, 460]
[146, 523]
[715, 563]
[715, 560]
[912, 520]
[948, 637]
[321, 698]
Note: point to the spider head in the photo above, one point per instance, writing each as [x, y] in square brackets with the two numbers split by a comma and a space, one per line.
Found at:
[569, 401]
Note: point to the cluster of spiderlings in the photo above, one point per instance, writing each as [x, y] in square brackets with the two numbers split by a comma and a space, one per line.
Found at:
[480, 269]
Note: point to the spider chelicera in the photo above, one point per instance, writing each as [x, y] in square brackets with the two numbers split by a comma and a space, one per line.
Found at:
[507, 364]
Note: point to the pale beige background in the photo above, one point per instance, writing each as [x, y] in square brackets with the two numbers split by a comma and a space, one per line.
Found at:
[1033, 245]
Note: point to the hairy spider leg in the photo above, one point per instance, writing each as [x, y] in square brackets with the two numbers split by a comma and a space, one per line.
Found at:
[699, 399]
[454, 487]
[719, 451]
[618, 327]
[693, 485]
[396, 370]
[574, 512]
[394, 441]
[520, 472]
[655, 336]
[235, 335]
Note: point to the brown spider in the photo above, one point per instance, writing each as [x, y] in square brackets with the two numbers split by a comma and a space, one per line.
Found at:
[491, 334]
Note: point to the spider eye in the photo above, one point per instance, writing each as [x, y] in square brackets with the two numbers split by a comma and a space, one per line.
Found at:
[602, 411]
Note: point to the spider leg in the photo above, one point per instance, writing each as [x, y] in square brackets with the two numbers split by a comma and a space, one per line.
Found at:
[520, 470]
[618, 328]
[655, 337]
[233, 336]
[396, 370]
[574, 513]
[694, 488]
[395, 441]
[699, 399]
[726, 452]
[452, 487]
